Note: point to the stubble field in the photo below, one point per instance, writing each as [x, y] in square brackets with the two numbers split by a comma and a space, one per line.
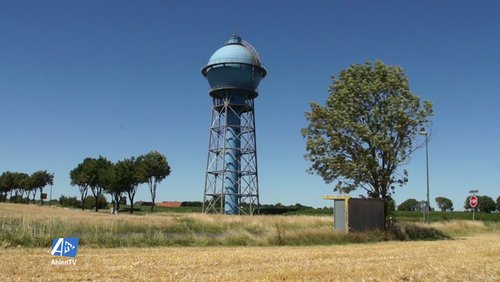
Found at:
[468, 259]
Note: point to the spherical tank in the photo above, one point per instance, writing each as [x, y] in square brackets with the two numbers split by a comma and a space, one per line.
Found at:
[235, 65]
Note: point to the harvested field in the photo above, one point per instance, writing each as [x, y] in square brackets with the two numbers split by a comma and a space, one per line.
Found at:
[466, 259]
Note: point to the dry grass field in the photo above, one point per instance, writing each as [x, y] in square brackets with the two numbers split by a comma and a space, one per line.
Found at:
[470, 256]
[474, 258]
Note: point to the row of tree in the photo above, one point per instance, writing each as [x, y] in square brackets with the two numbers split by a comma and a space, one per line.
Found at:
[485, 204]
[18, 184]
[123, 177]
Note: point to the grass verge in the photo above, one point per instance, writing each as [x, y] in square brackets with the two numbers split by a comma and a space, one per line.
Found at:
[32, 226]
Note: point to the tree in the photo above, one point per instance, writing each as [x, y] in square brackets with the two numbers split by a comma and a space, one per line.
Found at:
[112, 182]
[409, 205]
[154, 168]
[498, 204]
[366, 130]
[29, 185]
[80, 177]
[391, 205]
[484, 204]
[444, 204]
[39, 180]
[131, 175]
[4, 189]
[8, 182]
[90, 174]
[21, 184]
[467, 203]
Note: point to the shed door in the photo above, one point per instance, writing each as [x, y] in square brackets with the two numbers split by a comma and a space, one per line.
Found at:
[339, 215]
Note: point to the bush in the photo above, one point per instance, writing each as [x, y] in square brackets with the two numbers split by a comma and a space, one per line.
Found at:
[70, 202]
[89, 202]
[192, 204]
[409, 205]
[408, 231]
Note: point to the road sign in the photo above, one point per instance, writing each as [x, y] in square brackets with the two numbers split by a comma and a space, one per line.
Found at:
[473, 201]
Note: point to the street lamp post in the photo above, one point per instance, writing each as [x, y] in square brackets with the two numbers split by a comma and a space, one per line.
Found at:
[50, 198]
[425, 133]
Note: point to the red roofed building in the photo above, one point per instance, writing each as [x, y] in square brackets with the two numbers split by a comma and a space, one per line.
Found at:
[169, 204]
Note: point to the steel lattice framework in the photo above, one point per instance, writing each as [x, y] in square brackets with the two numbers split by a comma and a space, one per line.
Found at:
[226, 104]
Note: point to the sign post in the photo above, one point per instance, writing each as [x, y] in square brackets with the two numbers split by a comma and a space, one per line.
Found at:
[473, 204]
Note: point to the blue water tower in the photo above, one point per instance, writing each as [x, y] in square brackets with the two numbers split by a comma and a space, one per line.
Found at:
[231, 179]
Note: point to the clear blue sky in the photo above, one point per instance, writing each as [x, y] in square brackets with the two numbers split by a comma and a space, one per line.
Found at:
[120, 78]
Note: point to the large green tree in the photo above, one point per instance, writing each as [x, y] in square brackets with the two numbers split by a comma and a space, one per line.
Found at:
[90, 174]
[366, 130]
[409, 205]
[484, 204]
[131, 174]
[4, 189]
[39, 180]
[444, 204]
[112, 180]
[123, 177]
[29, 185]
[80, 177]
[10, 183]
[21, 185]
[155, 168]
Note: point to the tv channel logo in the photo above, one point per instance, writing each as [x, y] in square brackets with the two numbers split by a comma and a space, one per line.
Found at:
[64, 247]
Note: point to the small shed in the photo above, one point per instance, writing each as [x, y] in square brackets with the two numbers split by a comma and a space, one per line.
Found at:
[357, 214]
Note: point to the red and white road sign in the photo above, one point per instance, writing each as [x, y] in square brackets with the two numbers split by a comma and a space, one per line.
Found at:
[473, 201]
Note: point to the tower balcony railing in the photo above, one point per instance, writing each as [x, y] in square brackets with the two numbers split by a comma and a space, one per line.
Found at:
[243, 61]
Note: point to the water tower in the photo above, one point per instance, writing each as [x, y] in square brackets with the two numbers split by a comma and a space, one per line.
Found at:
[231, 180]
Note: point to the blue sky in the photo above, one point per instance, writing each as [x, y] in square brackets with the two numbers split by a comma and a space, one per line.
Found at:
[120, 78]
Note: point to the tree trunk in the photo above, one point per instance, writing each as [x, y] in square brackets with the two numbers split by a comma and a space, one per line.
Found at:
[153, 194]
[131, 199]
[41, 196]
[96, 202]
[83, 201]
[116, 203]
[153, 197]
[83, 195]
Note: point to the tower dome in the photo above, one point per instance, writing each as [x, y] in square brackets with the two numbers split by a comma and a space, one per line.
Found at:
[235, 65]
